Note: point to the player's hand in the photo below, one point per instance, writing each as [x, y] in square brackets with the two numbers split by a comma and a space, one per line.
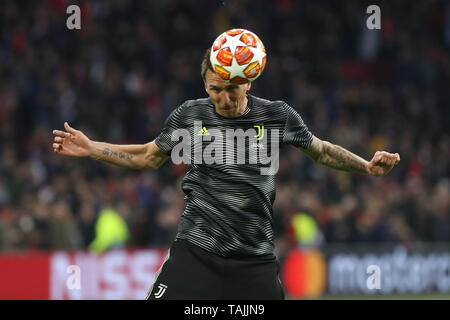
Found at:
[71, 142]
[382, 162]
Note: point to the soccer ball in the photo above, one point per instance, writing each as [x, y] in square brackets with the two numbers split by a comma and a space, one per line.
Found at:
[238, 56]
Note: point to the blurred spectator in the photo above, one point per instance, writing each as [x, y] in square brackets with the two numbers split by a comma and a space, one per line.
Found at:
[305, 232]
[63, 230]
[111, 231]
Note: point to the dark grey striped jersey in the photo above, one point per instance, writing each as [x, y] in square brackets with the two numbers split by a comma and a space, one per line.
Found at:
[232, 162]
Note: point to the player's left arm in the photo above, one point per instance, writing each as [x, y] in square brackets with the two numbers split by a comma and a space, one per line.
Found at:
[337, 157]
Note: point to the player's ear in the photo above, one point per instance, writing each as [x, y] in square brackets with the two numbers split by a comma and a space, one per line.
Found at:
[249, 85]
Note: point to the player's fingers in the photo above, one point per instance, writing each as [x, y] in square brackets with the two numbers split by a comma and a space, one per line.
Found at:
[383, 160]
[386, 156]
[393, 159]
[60, 133]
[390, 160]
[380, 159]
[57, 147]
[375, 156]
[58, 139]
[69, 128]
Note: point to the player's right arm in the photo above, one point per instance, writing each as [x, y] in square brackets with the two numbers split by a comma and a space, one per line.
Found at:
[75, 143]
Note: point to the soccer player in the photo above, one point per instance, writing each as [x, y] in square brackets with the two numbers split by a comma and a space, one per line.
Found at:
[224, 247]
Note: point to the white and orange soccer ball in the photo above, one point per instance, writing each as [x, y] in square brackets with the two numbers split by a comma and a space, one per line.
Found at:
[238, 56]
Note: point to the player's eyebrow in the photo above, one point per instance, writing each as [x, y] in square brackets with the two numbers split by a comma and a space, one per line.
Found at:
[213, 87]
[228, 87]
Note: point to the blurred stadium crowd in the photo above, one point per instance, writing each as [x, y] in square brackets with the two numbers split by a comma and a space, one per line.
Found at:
[133, 62]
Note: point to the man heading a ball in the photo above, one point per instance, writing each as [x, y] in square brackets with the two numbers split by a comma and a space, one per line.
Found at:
[224, 248]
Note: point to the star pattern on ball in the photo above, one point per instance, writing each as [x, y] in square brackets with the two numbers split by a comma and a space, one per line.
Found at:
[238, 54]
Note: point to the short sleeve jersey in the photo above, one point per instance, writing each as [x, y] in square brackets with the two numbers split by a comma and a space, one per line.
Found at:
[228, 195]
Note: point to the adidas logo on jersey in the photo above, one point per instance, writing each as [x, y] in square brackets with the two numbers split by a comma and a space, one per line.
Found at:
[203, 132]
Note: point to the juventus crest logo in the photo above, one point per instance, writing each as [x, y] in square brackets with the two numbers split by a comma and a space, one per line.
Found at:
[260, 133]
[161, 289]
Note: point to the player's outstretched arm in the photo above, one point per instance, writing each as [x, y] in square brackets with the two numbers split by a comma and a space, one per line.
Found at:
[336, 157]
[75, 143]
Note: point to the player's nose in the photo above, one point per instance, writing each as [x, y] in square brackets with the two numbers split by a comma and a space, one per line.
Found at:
[225, 97]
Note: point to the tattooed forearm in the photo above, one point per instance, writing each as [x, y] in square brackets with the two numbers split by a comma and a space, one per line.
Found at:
[118, 154]
[121, 155]
[336, 157]
[119, 158]
[133, 156]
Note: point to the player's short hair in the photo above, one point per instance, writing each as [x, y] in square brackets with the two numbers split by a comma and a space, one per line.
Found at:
[206, 64]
